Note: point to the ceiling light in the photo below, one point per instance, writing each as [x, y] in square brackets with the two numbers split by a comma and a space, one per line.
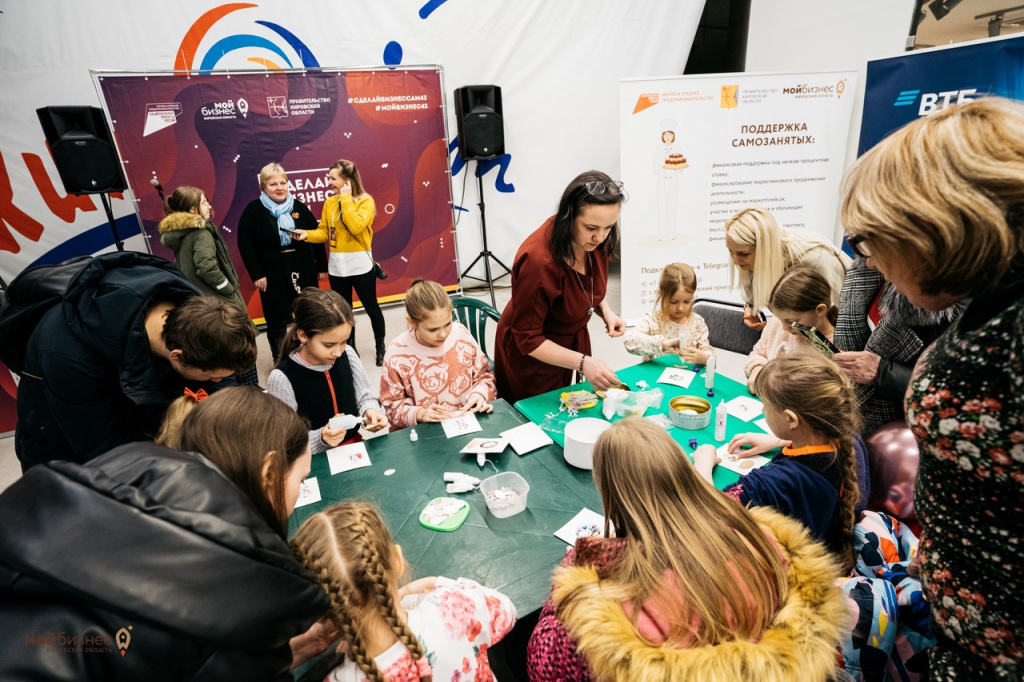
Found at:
[940, 8]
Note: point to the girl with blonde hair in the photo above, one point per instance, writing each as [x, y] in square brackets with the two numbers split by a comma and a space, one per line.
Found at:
[810, 405]
[432, 628]
[692, 587]
[673, 327]
[436, 368]
[761, 252]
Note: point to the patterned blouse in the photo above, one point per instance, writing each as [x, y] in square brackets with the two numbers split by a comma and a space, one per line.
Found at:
[965, 405]
[456, 623]
[646, 337]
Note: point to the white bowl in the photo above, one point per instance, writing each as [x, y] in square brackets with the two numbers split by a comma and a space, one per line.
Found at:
[580, 436]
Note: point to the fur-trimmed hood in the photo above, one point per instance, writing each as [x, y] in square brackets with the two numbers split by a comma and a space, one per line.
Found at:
[799, 645]
[176, 225]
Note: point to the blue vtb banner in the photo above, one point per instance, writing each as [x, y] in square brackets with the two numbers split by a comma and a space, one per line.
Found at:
[901, 89]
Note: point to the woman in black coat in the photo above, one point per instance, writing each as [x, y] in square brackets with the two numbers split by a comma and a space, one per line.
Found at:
[148, 563]
[279, 265]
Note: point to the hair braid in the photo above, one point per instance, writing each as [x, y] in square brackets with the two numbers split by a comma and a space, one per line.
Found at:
[383, 590]
[339, 592]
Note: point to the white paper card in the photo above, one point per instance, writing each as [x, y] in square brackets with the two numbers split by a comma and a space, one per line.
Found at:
[309, 492]
[461, 425]
[676, 376]
[526, 438]
[586, 523]
[741, 465]
[347, 457]
[489, 446]
[763, 425]
[745, 408]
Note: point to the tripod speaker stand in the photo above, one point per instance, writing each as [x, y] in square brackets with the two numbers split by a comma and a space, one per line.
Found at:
[485, 255]
[481, 136]
[83, 150]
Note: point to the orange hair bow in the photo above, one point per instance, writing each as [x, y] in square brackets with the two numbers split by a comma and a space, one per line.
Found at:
[201, 394]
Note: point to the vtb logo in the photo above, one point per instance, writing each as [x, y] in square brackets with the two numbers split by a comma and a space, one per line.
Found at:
[934, 101]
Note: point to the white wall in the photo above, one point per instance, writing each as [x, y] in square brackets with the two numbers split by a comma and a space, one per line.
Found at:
[821, 35]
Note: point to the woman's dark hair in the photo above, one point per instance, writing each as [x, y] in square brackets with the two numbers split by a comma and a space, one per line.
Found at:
[238, 429]
[315, 311]
[574, 199]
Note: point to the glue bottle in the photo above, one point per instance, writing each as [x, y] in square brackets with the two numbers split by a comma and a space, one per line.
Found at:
[413, 436]
[709, 375]
[721, 416]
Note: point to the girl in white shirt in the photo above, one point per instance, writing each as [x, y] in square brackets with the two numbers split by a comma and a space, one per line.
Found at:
[672, 327]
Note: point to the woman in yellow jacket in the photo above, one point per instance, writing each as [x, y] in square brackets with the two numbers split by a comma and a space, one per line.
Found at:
[346, 224]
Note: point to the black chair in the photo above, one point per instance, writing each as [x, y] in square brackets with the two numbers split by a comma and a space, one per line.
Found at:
[725, 325]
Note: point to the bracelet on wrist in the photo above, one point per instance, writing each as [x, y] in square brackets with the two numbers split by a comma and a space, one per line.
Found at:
[583, 359]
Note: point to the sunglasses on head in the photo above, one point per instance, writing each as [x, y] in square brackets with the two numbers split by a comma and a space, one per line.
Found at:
[598, 187]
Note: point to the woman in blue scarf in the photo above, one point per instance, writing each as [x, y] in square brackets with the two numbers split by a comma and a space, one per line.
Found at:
[279, 265]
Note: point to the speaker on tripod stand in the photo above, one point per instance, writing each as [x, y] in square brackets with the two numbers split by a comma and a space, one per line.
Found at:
[481, 137]
[83, 151]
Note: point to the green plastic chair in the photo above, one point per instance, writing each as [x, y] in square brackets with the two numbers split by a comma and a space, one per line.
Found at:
[474, 315]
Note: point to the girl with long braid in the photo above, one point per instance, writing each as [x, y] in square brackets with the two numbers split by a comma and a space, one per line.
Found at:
[431, 628]
[810, 402]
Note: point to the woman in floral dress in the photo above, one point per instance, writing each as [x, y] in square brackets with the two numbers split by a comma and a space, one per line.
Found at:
[938, 208]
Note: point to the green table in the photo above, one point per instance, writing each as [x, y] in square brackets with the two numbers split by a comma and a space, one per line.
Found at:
[537, 408]
[515, 555]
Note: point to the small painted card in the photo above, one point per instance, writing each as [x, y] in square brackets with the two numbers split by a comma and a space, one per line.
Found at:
[586, 523]
[677, 376]
[347, 457]
[309, 492]
[488, 446]
[740, 465]
[460, 425]
[745, 408]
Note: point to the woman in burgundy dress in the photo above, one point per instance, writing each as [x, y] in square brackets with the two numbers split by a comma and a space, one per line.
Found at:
[559, 279]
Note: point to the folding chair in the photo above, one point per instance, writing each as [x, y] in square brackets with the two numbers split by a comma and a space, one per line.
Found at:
[725, 325]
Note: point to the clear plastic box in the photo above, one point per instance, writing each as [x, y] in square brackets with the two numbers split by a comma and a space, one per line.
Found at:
[505, 493]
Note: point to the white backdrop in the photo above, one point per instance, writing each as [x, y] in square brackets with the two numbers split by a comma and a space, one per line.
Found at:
[558, 63]
[770, 140]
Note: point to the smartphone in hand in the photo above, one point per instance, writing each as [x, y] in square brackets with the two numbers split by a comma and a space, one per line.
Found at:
[816, 339]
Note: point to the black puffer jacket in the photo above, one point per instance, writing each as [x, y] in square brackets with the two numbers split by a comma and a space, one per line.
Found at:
[156, 542]
[90, 381]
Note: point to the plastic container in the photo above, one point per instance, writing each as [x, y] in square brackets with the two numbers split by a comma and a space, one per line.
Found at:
[505, 493]
[580, 436]
[629, 405]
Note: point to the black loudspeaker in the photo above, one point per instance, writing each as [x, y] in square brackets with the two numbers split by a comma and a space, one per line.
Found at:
[83, 149]
[478, 117]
